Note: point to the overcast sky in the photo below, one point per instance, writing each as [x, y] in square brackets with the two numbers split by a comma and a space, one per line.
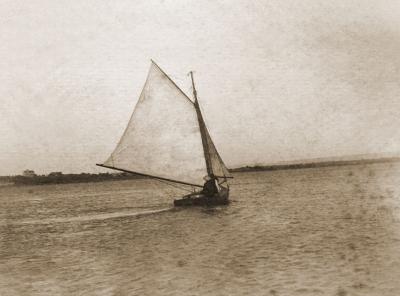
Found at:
[277, 80]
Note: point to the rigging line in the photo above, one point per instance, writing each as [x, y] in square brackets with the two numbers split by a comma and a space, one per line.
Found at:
[173, 185]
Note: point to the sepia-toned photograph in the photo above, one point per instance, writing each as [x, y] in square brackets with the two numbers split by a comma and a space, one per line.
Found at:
[190, 148]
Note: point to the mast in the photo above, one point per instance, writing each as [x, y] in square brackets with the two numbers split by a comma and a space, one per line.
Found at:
[202, 126]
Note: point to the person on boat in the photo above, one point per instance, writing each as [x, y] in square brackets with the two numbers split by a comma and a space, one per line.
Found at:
[210, 187]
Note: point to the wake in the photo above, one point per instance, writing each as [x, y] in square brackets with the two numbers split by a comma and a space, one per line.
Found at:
[86, 218]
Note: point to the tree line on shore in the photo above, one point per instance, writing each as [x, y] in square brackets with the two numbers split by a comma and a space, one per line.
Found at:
[60, 178]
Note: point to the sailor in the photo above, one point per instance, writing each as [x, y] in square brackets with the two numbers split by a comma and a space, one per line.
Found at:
[210, 187]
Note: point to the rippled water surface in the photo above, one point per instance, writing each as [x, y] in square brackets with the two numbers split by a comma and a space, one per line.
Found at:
[327, 231]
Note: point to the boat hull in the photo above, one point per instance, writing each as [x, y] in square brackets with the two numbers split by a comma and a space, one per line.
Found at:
[199, 199]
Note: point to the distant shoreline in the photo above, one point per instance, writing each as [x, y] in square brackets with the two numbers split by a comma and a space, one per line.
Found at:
[60, 178]
[317, 164]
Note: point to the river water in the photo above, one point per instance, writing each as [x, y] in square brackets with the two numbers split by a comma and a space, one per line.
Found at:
[325, 231]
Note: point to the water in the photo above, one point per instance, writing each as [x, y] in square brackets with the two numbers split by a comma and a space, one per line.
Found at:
[329, 231]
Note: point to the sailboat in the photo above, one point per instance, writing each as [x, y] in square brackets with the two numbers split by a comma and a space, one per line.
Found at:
[167, 139]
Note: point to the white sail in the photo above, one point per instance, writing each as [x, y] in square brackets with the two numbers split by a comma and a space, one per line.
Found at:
[163, 137]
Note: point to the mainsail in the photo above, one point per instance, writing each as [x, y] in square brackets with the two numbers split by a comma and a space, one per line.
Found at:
[163, 138]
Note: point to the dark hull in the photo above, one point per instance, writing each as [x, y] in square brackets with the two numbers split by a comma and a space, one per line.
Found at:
[199, 199]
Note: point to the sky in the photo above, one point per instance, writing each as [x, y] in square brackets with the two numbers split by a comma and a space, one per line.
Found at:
[277, 80]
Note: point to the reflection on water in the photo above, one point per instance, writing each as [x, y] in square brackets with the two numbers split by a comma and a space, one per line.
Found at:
[330, 231]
